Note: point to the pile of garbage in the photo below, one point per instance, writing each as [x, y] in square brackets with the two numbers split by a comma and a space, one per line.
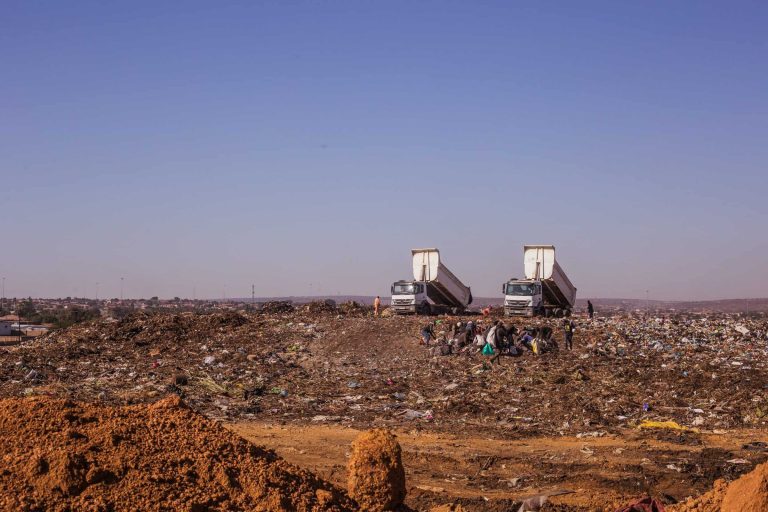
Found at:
[352, 307]
[277, 306]
[705, 372]
[320, 306]
[59, 455]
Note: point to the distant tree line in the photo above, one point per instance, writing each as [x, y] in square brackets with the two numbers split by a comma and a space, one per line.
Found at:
[59, 318]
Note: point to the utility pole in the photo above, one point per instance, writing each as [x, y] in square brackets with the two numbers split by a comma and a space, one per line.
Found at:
[253, 294]
[121, 288]
[18, 318]
[3, 304]
[97, 291]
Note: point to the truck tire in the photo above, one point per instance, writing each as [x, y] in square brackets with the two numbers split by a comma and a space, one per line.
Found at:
[426, 308]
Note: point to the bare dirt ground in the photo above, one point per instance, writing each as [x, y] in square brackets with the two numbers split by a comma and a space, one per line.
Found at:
[492, 474]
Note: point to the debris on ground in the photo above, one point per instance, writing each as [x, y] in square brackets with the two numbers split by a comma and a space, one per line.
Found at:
[698, 372]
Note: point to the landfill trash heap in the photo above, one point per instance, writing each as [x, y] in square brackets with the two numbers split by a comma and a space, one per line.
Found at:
[328, 363]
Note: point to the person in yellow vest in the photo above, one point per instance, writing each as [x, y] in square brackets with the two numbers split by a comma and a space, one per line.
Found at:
[376, 305]
[569, 326]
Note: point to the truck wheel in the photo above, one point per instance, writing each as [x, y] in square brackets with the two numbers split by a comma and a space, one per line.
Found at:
[426, 308]
[455, 311]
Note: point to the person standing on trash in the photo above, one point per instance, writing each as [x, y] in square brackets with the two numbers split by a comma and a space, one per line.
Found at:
[590, 309]
[501, 341]
[376, 305]
[427, 333]
[490, 335]
[501, 336]
[569, 326]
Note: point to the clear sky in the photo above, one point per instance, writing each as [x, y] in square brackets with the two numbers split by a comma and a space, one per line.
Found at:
[307, 146]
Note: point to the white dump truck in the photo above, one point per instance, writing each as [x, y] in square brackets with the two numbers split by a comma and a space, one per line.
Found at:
[545, 290]
[434, 288]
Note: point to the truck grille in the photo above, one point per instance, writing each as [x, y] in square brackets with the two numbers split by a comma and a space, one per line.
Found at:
[516, 303]
[402, 302]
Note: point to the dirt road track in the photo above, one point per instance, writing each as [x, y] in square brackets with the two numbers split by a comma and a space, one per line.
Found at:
[488, 474]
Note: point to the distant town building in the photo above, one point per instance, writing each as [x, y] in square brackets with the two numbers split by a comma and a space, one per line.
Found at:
[5, 327]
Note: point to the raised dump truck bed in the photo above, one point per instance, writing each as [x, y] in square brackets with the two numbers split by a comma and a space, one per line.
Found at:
[540, 263]
[434, 288]
[545, 289]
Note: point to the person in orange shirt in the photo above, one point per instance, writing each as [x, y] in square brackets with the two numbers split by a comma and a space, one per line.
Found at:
[486, 311]
[376, 305]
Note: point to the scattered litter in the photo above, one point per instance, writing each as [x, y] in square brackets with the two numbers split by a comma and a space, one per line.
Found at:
[672, 425]
[410, 414]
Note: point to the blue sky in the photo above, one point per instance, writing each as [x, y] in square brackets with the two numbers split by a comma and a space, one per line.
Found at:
[307, 146]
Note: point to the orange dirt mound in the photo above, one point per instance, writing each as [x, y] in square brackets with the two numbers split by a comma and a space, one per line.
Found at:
[59, 455]
[376, 473]
[749, 493]
[708, 502]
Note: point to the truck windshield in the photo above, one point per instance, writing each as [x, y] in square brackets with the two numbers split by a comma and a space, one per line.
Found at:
[404, 289]
[523, 289]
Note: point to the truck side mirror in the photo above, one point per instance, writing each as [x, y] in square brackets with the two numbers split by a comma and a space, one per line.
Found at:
[392, 289]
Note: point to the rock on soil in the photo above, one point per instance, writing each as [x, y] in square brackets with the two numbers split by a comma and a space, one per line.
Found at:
[59, 455]
[376, 473]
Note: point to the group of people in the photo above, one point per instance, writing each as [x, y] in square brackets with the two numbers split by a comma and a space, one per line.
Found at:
[502, 338]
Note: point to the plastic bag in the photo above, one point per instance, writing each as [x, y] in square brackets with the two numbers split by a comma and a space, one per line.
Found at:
[487, 349]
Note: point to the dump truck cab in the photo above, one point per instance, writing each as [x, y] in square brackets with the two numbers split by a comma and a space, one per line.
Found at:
[409, 297]
[523, 297]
